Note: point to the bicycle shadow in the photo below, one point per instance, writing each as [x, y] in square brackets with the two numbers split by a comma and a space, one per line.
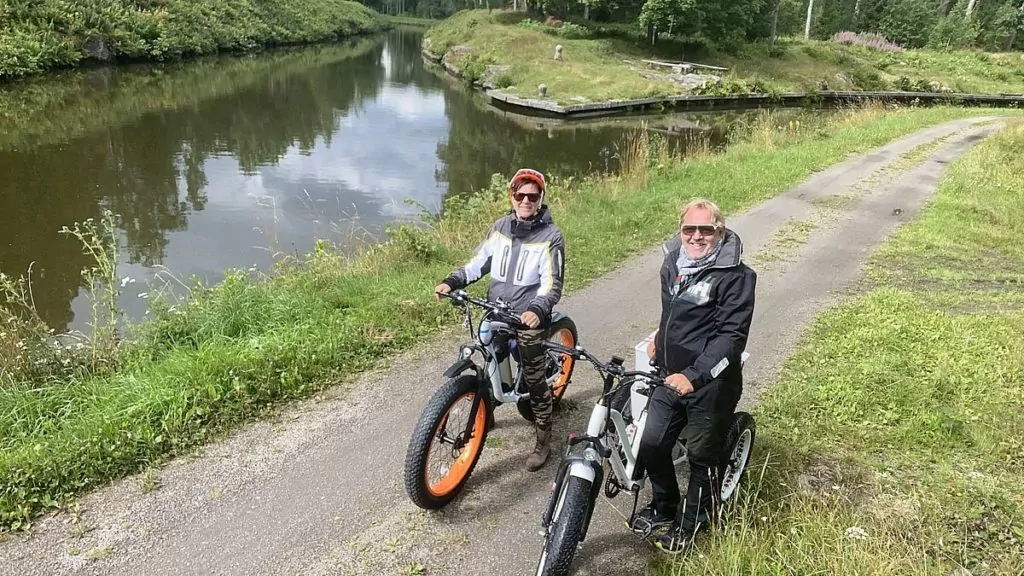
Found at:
[615, 553]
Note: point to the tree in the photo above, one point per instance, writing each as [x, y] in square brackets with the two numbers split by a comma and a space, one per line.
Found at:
[807, 26]
[665, 15]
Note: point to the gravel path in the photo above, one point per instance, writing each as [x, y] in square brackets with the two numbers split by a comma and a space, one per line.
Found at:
[318, 489]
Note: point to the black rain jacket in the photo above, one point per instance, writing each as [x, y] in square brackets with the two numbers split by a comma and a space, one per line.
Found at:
[704, 327]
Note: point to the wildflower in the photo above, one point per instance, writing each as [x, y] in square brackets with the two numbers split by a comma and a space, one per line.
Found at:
[856, 533]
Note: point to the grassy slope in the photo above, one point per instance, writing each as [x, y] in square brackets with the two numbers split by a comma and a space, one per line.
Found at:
[239, 348]
[595, 68]
[902, 414]
[38, 35]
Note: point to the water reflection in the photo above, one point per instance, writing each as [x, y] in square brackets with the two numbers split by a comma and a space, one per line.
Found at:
[225, 163]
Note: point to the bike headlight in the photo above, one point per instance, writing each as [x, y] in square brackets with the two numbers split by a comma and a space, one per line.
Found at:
[591, 455]
[465, 352]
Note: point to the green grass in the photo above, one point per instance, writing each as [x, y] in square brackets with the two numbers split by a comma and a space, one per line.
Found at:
[902, 413]
[410, 20]
[238, 349]
[39, 35]
[595, 67]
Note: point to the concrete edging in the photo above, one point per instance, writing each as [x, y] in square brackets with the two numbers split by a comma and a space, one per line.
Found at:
[549, 109]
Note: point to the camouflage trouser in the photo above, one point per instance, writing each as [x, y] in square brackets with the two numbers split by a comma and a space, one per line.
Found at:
[534, 360]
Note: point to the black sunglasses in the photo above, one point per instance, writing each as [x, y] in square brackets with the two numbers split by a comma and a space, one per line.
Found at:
[518, 196]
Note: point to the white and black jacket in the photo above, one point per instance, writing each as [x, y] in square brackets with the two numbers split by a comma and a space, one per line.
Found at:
[526, 261]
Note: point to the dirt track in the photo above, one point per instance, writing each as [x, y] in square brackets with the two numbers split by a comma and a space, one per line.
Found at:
[319, 490]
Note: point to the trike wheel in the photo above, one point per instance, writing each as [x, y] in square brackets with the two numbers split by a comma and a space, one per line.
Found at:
[441, 454]
[740, 443]
[559, 367]
[566, 528]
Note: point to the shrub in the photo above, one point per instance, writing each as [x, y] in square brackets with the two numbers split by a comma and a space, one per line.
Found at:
[868, 39]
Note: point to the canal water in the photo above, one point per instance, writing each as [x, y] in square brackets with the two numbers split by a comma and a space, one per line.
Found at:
[230, 162]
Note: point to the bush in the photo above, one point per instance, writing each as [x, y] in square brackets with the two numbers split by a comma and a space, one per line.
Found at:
[868, 39]
[46, 34]
[558, 28]
[952, 33]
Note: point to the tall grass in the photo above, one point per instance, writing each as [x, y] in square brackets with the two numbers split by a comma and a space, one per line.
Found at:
[892, 442]
[232, 351]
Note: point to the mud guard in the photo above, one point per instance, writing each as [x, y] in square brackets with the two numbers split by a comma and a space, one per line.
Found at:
[459, 367]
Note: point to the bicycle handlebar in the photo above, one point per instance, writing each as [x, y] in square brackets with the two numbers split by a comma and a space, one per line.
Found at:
[461, 298]
[614, 367]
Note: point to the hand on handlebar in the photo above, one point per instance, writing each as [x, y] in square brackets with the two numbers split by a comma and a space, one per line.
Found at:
[441, 288]
[530, 319]
[679, 383]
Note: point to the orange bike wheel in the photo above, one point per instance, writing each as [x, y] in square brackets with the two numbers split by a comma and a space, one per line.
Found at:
[441, 454]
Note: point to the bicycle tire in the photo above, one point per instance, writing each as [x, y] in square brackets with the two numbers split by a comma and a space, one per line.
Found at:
[566, 528]
[421, 491]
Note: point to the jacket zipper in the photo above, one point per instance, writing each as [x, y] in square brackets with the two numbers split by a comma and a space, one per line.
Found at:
[671, 306]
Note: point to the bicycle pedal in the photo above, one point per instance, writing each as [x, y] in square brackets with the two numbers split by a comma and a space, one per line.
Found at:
[644, 534]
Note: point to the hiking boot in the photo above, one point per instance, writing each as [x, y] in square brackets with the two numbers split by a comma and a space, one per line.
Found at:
[541, 451]
[675, 541]
[648, 519]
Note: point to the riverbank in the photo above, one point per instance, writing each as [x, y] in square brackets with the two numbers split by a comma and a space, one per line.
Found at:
[241, 348]
[892, 442]
[604, 71]
[40, 36]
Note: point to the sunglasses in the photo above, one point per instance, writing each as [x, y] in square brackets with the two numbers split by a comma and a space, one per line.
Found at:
[520, 196]
[705, 229]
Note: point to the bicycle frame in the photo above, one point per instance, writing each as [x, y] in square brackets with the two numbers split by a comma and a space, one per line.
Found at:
[622, 453]
[493, 340]
[623, 462]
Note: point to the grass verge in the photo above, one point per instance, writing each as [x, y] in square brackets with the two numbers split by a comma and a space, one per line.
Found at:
[599, 65]
[892, 442]
[235, 350]
[39, 35]
[410, 20]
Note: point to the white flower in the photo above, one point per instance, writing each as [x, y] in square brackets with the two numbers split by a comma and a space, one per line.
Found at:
[856, 533]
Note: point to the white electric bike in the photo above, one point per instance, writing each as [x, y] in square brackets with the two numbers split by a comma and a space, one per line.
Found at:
[613, 439]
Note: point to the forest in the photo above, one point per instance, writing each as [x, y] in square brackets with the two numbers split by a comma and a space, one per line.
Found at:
[990, 25]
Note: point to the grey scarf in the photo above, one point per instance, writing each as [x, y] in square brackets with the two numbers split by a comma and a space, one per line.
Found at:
[687, 266]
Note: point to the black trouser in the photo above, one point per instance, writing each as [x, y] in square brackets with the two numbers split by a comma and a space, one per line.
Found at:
[703, 417]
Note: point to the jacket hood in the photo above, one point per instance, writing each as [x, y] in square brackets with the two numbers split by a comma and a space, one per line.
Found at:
[730, 255]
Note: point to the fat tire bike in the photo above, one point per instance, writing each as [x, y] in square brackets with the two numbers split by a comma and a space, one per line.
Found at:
[451, 432]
